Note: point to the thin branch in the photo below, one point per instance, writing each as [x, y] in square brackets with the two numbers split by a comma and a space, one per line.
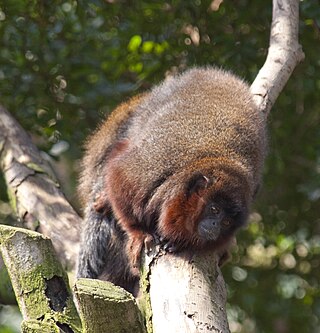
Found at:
[284, 54]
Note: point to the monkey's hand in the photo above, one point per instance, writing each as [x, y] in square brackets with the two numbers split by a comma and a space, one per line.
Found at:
[169, 245]
[165, 244]
[134, 247]
[150, 241]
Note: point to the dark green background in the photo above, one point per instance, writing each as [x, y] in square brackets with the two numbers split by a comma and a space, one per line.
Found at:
[65, 64]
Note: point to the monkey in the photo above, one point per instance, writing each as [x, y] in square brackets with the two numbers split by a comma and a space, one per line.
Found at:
[179, 164]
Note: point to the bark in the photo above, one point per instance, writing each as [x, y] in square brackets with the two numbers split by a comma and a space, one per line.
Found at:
[190, 296]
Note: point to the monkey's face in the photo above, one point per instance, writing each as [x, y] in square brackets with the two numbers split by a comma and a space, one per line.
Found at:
[226, 208]
[206, 212]
[220, 219]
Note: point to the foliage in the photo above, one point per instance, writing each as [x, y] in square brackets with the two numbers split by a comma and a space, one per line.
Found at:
[65, 64]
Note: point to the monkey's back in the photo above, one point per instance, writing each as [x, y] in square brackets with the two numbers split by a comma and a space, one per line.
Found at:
[204, 112]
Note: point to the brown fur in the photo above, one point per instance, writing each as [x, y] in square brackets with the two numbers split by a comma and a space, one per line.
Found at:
[100, 144]
[162, 159]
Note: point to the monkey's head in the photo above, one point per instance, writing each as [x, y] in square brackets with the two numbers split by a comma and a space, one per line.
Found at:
[207, 210]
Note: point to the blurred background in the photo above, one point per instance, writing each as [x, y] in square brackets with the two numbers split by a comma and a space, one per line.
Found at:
[64, 65]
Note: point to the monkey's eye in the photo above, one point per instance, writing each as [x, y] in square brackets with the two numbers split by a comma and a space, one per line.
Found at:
[226, 222]
[215, 210]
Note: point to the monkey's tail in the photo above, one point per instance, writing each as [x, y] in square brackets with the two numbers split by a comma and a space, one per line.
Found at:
[102, 253]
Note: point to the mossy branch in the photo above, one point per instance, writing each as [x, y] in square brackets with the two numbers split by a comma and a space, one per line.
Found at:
[105, 307]
[40, 284]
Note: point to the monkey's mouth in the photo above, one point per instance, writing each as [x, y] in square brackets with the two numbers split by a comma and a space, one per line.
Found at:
[209, 229]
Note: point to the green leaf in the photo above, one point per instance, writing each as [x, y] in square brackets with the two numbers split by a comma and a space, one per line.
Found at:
[134, 43]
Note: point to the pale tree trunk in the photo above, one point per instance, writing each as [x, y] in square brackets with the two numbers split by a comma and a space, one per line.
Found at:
[35, 196]
[188, 296]
[179, 293]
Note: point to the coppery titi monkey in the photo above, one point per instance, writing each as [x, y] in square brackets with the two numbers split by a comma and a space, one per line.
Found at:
[180, 163]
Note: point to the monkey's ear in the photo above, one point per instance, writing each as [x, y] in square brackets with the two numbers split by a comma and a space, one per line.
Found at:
[197, 183]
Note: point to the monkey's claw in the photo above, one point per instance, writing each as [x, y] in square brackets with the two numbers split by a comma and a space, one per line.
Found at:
[148, 243]
[157, 239]
[167, 245]
[170, 246]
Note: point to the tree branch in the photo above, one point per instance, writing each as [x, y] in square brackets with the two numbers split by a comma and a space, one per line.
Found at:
[34, 191]
[40, 284]
[284, 54]
[103, 307]
[187, 293]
